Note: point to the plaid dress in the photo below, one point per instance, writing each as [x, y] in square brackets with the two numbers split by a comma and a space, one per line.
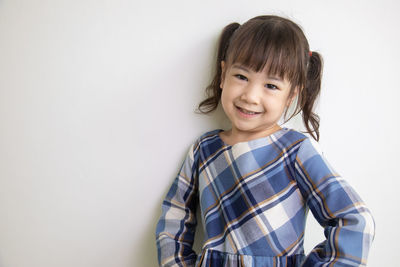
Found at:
[254, 197]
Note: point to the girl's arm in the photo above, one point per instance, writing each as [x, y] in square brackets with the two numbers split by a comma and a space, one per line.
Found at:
[176, 226]
[348, 224]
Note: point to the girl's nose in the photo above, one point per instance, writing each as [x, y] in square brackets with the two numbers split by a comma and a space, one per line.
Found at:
[251, 94]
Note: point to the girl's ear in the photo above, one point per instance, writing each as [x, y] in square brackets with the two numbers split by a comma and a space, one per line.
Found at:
[293, 97]
[222, 74]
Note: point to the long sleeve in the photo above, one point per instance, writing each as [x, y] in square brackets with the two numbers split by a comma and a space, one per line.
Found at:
[176, 226]
[348, 224]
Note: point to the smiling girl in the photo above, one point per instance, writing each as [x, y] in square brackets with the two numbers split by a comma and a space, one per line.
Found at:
[255, 182]
[253, 102]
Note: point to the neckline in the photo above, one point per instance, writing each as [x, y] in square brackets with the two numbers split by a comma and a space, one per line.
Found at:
[252, 141]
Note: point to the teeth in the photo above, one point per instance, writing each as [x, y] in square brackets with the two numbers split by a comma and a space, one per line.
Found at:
[247, 112]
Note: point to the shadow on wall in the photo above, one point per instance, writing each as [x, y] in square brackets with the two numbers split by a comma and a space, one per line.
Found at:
[147, 255]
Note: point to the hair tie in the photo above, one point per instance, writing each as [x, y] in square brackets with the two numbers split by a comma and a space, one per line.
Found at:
[310, 53]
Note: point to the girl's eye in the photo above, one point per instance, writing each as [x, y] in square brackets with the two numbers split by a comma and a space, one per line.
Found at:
[241, 77]
[271, 86]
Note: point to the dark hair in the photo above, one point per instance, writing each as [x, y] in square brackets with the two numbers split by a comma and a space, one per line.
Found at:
[279, 45]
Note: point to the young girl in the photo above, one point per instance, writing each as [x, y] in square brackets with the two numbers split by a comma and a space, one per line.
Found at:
[255, 182]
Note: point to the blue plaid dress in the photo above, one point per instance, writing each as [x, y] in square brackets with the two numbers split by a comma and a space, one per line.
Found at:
[254, 197]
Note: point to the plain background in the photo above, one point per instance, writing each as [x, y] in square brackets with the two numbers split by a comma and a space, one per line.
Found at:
[97, 103]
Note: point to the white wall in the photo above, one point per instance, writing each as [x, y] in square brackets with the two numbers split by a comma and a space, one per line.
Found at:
[96, 115]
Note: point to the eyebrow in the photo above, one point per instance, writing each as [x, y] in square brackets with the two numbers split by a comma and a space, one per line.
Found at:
[276, 78]
[236, 66]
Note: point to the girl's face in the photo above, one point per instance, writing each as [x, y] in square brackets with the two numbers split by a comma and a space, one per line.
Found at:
[253, 101]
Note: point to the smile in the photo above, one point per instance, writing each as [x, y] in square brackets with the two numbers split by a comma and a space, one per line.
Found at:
[247, 113]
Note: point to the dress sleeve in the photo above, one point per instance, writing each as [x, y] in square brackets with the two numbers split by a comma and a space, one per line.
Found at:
[348, 224]
[176, 226]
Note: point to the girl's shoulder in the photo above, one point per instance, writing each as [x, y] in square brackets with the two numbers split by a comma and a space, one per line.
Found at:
[209, 134]
[209, 138]
[292, 137]
[288, 136]
[297, 145]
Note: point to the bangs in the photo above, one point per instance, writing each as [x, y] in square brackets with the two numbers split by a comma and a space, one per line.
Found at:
[274, 46]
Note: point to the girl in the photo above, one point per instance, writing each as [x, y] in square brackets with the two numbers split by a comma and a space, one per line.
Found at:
[255, 182]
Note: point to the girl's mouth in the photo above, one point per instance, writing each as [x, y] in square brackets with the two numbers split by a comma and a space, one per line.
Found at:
[247, 113]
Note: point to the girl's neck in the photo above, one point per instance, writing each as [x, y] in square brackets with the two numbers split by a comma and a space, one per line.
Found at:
[234, 136]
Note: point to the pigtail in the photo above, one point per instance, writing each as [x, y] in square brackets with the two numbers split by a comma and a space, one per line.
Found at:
[213, 91]
[310, 93]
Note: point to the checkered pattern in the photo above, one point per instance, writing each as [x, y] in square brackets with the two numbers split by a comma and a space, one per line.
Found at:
[254, 198]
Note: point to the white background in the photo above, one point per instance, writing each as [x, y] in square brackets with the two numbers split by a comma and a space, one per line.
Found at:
[96, 116]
